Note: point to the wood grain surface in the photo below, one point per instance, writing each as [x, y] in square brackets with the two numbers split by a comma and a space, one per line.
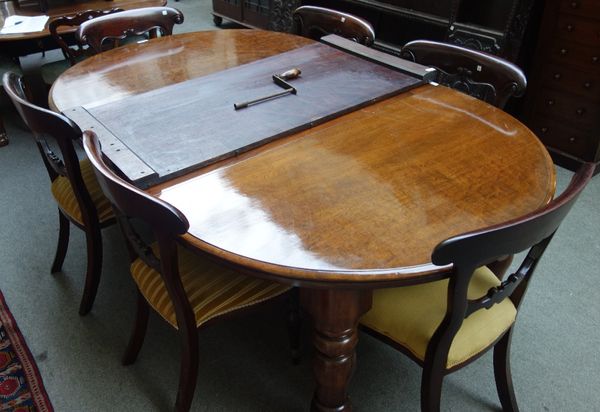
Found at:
[362, 198]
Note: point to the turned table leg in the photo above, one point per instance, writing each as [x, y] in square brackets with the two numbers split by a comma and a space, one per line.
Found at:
[335, 316]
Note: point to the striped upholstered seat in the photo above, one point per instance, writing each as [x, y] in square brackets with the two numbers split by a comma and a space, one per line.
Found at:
[410, 315]
[65, 197]
[211, 289]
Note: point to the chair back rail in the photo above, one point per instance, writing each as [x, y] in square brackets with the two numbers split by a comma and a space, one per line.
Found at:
[135, 22]
[316, 22]
[74, 53]
[476, 73]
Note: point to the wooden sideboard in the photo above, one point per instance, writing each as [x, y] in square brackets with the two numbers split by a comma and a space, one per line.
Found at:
[494, 26]
[562, 104]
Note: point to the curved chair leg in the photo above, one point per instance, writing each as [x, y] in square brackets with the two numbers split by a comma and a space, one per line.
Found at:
[139, 331]
[94, 268]
[188, 373]
[502, 374]
[294, 324]
[63, 242]
[431, 389]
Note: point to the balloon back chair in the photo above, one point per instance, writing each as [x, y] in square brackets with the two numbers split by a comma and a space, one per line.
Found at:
[315, 22]
[73, 185]
[446, 324]
[185, 289]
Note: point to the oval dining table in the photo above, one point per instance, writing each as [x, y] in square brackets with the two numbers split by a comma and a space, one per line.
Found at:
[353, 204]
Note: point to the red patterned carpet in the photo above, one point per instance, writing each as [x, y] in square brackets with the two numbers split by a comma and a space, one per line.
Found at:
[21, 387]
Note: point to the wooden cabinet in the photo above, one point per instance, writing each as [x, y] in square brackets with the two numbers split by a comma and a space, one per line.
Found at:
[494, 26]
[562, 104]
[250, 13]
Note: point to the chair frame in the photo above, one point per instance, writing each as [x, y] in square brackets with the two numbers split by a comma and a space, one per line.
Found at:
[315, 22]
[45, 122]
[481, 75]
[167, 223]
[134, 22]
[466, 253]
[70, 53]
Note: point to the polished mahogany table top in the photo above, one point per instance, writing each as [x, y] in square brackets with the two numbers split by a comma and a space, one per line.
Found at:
[363, 198]
[64, 8]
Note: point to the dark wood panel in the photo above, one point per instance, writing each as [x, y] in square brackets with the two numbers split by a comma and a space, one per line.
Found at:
[204, 127]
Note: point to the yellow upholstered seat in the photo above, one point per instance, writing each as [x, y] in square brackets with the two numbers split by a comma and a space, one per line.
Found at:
[212, 290]
[65, 197]
[410, 315]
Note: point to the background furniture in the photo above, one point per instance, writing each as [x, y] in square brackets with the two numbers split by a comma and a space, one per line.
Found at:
[347, 206]
[27, 47]
[72, 54]
[562, 105]
[118, 26]
[495, 27]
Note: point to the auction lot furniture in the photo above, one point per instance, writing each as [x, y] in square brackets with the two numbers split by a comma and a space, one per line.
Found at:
[355, 203]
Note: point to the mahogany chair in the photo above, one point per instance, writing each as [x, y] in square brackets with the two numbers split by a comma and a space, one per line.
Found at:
[114, 27]
[73, 185]
[184, 288]
[315, 22]
[481, 75]
[75, 53]
[446, 324]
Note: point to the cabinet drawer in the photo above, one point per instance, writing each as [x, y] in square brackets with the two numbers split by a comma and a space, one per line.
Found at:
[571, 54]
[586, 8]
[583, 113]
[585, 84]
[570, 140]
[577, 30]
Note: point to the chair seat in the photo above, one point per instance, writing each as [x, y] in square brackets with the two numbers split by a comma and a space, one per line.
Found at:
[410, 315]
[65, 197]
[211, 289]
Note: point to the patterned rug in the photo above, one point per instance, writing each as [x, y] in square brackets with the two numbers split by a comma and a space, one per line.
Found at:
[21, 387]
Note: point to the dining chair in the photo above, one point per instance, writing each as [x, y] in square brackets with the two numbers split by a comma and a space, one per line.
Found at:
[185, 289]
[73, 185]
[75, 52]
[315, 22]
[112, 28]
[446, 324]
[481, 75]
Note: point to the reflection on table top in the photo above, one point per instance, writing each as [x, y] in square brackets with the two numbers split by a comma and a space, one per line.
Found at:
[362, 198]
[64, 8]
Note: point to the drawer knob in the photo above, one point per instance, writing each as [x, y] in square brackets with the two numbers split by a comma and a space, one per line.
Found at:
[595, 59]
[570, 27]
[580, 111]
[574, 4]
[572, 140]
[587, 85]
[565, 51]
[550, 102]
[544, 129]
[557, 76]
